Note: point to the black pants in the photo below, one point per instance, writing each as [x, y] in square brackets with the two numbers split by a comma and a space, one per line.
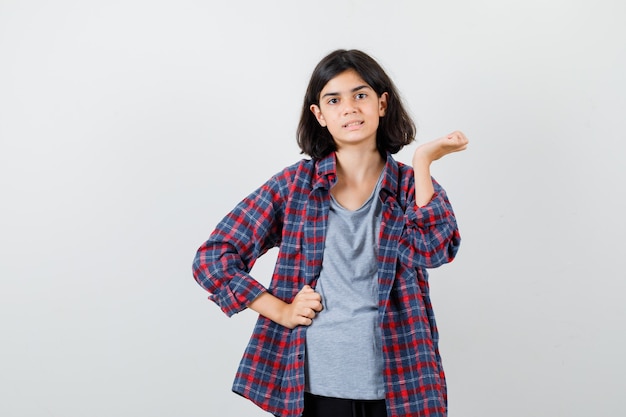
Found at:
[318, 406]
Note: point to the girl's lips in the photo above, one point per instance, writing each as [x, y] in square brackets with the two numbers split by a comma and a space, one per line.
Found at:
[353, 123]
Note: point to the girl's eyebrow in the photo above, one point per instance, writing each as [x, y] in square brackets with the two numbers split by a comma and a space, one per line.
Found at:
[355, 89]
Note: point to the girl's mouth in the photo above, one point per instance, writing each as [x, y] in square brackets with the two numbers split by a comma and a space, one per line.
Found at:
[353, 124]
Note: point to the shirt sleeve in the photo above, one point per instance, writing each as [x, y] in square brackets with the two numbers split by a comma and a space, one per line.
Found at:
[431, 237]
[222, 264]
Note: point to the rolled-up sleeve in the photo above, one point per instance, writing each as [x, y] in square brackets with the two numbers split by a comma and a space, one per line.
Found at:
[222, 264]
[431, 237]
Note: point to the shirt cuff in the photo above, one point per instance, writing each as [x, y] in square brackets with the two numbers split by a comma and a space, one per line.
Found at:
[238, 294]
[430, 214]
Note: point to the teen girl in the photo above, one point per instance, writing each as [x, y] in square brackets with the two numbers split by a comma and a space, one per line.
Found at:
[346, 327]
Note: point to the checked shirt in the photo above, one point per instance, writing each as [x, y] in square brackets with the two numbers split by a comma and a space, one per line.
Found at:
[290, 211]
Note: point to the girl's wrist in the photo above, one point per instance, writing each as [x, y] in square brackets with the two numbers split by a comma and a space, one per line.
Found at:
[421, 160]
[424, 154]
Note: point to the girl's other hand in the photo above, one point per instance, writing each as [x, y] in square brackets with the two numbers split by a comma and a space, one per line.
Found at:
[438, 148]
[302, 309]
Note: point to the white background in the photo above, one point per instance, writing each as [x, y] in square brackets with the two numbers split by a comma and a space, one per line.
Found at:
[129, 128]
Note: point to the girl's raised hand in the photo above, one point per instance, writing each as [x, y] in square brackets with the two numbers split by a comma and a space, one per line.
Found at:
[438, 148]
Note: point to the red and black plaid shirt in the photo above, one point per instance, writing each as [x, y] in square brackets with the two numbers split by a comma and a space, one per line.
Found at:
[290, 211]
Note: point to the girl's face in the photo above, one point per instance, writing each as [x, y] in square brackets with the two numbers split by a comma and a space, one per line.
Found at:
[350, 109]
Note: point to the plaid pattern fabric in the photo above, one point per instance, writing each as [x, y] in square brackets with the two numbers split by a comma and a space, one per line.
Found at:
[290, 211]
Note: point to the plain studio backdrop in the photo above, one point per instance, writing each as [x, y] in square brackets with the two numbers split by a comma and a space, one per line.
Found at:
[129, 128]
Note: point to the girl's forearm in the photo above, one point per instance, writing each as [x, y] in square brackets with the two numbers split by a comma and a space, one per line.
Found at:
[300, 312]
[424, 189]
[269, 306]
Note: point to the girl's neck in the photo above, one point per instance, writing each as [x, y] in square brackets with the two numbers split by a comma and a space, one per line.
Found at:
[357, 165]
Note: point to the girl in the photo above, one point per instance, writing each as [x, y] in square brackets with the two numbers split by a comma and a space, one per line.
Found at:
[346, 327]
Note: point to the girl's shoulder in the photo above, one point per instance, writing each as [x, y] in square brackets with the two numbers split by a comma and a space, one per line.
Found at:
[302, 168]
[296, 177]
[401, 172]
[404, 169]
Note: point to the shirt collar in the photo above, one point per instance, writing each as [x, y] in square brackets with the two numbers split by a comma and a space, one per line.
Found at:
[326, 173]
[390, 176]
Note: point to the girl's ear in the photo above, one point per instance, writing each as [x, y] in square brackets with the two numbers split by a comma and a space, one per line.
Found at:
[382, 104]
[315, 109]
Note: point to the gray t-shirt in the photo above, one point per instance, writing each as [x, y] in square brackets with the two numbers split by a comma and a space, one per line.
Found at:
[343, 348]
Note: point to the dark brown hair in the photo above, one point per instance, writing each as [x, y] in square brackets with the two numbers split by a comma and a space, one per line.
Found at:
[396, 129]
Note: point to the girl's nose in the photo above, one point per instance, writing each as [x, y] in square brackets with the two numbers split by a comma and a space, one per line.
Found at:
[350, 107]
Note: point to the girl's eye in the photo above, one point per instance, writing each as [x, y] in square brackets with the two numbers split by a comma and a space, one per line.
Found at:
[333, 101]
[360, 96]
